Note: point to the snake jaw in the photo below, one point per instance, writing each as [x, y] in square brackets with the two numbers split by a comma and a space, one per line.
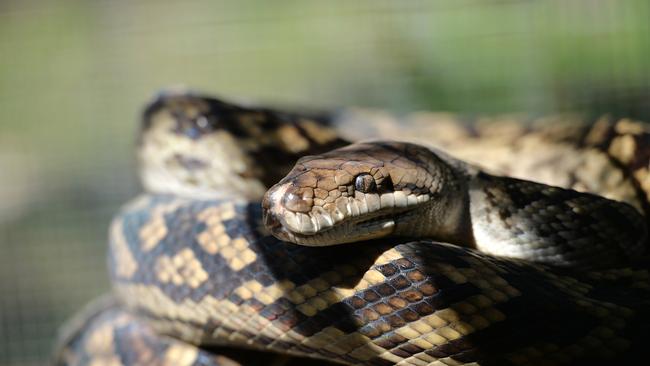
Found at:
[349, 219]
[345, 232]
[337, 196]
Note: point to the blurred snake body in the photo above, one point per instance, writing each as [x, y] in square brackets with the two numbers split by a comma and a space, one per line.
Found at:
[196, 275]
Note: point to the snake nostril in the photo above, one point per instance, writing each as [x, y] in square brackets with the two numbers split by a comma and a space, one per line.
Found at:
[270, 221]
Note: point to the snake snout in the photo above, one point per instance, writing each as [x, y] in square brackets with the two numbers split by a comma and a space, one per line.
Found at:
[273, 209]
[297, 202]
[270, 219]
[271, 222]
[289, 197]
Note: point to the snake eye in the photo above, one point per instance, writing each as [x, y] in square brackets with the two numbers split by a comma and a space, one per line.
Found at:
[365, 183]
[195, 127]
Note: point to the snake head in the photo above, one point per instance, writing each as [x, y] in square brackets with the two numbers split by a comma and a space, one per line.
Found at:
[363, 191]
[199, 146]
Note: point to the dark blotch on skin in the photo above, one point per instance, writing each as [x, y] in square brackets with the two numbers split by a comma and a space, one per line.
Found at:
[397, 302]
[427, 289]
[383, 326]
[371, 296]
[271, 312]
[385, 289]
[387, 269]
[400, 353]
[404, 263]
[383, 308]
[308, 328]
[370, 331]
[385, 342]
[423, 308]
[400, 282]
[289, 320]
[411, 348]
[369, 314]
[357, 302]
[397, 339]
[411, 295]
[396, 322]
[265, 279]
[415, 276]
[409, 315]
[256, 304]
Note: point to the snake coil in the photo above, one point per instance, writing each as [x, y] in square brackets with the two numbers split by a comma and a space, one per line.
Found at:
[196, 275]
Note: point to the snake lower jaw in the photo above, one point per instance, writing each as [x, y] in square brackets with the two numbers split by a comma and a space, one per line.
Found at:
[347, 232]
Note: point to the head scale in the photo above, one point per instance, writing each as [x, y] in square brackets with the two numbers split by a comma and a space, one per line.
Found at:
[362, 191]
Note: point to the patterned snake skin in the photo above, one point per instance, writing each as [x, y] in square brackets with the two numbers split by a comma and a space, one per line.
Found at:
[192, 264]
[376, 189]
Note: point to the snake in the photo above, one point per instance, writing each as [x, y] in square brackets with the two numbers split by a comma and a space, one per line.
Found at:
[199, 279]
[386, 188]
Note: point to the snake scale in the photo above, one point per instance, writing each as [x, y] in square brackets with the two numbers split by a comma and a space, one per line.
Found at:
[196, 275]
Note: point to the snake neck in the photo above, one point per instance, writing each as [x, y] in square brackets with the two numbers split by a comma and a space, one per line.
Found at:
[449, 217]
[516, 218]
[453, 224]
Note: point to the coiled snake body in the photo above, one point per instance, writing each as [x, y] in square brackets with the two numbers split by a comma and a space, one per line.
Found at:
[193, 264]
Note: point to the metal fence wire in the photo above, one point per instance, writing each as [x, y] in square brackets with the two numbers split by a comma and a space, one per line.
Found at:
[74, 76]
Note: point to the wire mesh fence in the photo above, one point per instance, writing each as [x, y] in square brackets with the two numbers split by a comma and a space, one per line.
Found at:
[74, 76]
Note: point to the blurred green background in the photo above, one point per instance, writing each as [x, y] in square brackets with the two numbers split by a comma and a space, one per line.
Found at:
[75, 74]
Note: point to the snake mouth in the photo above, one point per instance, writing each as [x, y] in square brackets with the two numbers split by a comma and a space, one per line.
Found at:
[342, 220]
[380, 224]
